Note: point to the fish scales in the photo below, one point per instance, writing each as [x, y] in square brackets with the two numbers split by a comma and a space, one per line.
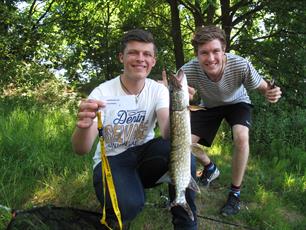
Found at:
[180, 131]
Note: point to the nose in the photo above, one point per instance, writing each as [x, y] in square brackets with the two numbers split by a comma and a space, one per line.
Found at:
[210, 57]
[140, 57]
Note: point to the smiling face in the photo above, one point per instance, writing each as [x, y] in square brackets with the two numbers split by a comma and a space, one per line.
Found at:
[138, 58]
[211, 58]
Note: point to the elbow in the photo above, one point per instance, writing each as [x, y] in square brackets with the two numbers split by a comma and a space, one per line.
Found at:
[165, 134]
[78, 150]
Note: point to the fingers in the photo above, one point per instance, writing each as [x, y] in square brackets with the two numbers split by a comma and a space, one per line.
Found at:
[91, 105]
[164, 77]
[273, 94]
[87, 112]
[191, 92]
[84, 123]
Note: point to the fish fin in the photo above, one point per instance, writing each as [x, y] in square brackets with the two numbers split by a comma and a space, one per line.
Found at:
[164, 178]
[194, 108]
[197, 149]
[185, 206]
[193, 185]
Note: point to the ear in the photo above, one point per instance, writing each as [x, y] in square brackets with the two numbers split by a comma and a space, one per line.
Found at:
[154, 62]
[224, 49]
[120, 56]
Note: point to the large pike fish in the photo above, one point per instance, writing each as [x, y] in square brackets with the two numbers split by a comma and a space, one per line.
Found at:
[181, 144]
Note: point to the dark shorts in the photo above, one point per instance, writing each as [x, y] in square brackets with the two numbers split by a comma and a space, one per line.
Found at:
[205, 123]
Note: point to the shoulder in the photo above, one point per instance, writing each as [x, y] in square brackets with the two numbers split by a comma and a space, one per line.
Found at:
[108, 83]
[155, 86]
[235, 58]
[106, 88]
[192, 68]
[236, 62]
[191, 64]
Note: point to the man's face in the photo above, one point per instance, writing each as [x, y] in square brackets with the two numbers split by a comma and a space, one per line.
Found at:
[210, 56]
[138, 59]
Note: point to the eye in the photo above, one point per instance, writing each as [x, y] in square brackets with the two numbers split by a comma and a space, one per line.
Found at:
[204, 53]
[132, 52]
[217, 51]
[148, 54]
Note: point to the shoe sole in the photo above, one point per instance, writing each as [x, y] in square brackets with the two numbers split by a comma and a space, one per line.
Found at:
[213, 177]
[226, 214]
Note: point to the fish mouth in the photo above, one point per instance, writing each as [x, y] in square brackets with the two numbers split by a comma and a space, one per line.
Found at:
[176, 80]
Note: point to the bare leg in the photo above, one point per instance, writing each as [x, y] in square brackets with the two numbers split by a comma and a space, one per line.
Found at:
[202, 158]
[241, 153]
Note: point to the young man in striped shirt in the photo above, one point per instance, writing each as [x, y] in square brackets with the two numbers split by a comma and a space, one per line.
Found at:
[222, 80]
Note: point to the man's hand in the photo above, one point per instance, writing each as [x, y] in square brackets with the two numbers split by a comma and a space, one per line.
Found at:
[273, 94]
[164, 81]
[87, 112]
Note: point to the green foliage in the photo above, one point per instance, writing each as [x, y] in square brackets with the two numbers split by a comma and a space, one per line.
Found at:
[35, 146]
[80, 38]
[275, 129]
[45, 94]
[261, 217]
[276, 45]
[5, 217]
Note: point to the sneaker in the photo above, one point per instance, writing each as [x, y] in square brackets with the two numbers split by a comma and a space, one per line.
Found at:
[232, 205]
[208, 176]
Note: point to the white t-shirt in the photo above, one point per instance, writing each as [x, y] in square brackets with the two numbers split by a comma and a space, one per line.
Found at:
[127, 128]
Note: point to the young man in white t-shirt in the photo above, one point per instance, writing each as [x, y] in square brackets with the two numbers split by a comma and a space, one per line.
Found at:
[137, 159]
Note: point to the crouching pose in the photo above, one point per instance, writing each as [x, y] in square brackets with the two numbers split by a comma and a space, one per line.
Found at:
[137, 159]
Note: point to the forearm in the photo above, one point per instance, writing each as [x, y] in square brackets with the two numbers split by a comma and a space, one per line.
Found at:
[83, 139]
[164, 122]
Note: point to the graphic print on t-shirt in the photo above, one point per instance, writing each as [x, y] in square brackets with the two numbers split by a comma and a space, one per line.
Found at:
[126, 128]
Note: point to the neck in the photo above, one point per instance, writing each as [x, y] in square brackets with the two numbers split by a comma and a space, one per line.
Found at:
[131, 87]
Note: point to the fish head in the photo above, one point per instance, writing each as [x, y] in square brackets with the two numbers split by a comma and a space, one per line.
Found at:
[179, 96]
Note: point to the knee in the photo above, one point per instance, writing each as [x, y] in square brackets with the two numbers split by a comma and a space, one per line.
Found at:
[131, 208]
[241, 140]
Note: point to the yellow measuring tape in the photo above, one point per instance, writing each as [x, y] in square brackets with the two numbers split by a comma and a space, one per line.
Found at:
[107, 175]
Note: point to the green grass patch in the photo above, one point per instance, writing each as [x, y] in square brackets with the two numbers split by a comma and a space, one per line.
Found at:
[38, 167]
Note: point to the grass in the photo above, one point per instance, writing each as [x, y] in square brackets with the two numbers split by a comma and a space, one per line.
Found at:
[38, 167]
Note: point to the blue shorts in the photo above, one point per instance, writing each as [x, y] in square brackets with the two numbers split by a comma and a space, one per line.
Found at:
[205, 123]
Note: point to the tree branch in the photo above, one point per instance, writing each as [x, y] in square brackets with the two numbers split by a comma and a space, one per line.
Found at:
[248, 14]
[32, 9]
[43, 15]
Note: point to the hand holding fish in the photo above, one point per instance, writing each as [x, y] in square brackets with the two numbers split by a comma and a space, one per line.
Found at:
[164, 81]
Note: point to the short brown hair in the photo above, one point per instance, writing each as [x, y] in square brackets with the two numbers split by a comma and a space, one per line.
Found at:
[137, 35]
[206, 34]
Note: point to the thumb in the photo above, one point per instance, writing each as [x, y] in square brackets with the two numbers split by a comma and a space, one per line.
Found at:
[164, 76]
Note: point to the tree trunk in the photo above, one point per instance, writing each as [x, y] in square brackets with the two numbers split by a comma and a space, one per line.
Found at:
[226, 20]
[176, 33]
